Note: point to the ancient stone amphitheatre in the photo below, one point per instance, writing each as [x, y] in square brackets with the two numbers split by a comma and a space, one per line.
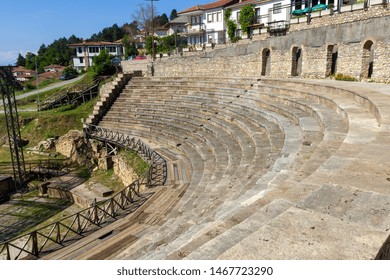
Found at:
[257, 169]
[260, 165]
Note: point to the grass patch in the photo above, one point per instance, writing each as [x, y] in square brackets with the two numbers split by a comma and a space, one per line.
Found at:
[106, 178]
[57, 122]
[135, 161]
[342, 77]
[84, 172]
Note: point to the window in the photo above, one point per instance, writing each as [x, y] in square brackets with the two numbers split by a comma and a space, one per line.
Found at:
[277, 8]
[214, 17]
[257, 15]
[80, 49]
[111, 49]
[94, 49]
[194, 19]
[81, 60]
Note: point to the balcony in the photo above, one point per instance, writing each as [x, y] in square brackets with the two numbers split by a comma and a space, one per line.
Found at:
[278, 27]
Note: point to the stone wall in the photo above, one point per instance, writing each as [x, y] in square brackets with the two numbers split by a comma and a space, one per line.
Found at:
[314, 62]
[243, 66]
[123, 171]
[381, 62]
[130, 66]
[246, 59]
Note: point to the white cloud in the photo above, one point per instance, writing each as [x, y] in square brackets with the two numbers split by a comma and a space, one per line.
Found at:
[8, 57]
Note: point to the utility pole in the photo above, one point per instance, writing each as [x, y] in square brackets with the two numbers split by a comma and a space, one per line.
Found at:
[152, 22]
[36, 74]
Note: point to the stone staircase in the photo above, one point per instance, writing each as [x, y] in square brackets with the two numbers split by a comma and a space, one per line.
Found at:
[257, 169]
[107, 97]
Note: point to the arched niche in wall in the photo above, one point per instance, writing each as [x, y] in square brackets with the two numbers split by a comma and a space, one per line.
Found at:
[331, 60]
[296, 63]
[367, 60]
[266, 62]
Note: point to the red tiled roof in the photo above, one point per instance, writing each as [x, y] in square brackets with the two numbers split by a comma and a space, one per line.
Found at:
[53, 66]
[19, 69]
[48, 75]
[22, 71]
[213, 5]
[245, 2]
[87, 44]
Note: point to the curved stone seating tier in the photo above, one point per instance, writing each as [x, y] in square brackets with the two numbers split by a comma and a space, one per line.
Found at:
[234, 132]
[271, 168]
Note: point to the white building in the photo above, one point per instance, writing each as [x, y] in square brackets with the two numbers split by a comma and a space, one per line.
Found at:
[178, 25]
[205, 23]
[266, 11]
[87, 50]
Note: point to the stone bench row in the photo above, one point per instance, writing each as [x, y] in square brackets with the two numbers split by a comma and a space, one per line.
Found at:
[155, 256]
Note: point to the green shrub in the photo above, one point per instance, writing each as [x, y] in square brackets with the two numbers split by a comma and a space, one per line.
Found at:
[29, 86]
[342, 77]
[102, 64]
[135, 161]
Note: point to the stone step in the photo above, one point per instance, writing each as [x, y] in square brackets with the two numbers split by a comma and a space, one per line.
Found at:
[308, 235]
[312, 139]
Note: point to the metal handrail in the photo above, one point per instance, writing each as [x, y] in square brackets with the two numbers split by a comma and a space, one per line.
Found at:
[74, 93]
[76, 226]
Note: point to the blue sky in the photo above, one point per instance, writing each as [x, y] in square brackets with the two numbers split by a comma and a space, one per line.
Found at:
[27, 24]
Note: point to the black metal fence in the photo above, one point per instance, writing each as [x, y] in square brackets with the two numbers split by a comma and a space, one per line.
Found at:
[72, 96]
[157, 163]
[61, 233]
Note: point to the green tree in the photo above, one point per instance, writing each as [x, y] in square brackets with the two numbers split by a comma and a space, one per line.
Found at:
[57, 52]
[21, 61]
[102, 64]
[148, 44]
[30, 61]
[130, 47]
[131, 28]
[247, 16]
[70, 70]
[231, 25]
[108, 34]
[173, 15]
[162, 20]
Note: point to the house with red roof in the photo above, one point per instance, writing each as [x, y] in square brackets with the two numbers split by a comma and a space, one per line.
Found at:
[54, 68]
[206, 23]
[23, 74]
[86, 51]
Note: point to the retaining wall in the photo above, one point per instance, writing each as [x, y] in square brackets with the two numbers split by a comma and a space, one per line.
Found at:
[245, 58]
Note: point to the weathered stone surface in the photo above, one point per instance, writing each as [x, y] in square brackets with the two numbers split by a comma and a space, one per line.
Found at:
[105, 163]
[101, 190]
[75, 146]
[310, 236]
[347, 32]
[123, 171]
